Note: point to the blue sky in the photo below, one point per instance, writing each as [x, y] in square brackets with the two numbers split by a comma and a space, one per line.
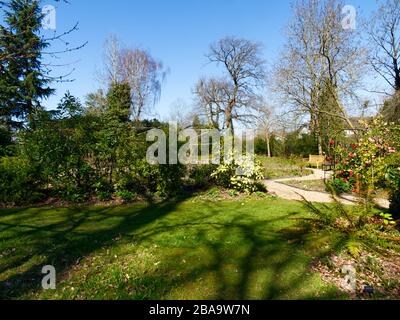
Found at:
[177, 32]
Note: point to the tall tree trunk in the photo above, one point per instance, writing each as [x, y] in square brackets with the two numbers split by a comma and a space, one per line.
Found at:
[318, 132]
[268, 144]
[320, 149]
[229, 121]
[397, 74]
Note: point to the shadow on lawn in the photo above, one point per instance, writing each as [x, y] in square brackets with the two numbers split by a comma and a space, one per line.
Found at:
[63, 246]
[268, 262]
[276, 253]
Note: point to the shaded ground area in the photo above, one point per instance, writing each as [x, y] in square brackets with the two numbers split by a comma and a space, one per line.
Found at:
[187, 249]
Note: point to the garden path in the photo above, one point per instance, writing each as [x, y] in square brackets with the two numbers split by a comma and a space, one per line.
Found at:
[291, 193]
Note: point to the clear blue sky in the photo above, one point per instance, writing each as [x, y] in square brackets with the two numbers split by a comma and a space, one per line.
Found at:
[177, 32]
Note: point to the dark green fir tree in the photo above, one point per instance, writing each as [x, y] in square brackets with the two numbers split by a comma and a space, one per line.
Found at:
[23, 78]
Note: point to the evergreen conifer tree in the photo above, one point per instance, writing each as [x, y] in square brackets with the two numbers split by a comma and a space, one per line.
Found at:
[23, 80]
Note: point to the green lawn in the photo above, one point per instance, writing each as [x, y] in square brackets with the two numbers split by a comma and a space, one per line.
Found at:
[275, 168]
[187, 249]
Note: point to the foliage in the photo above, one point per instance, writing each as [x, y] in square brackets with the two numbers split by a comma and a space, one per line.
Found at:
[340, 185]
[364, 166]
[200, 175]
[293, 144]
[119, 101]
[59, 149]
[387, 218]
[69, 106]
[23, 78]
[395, 204]
[242, 175]
[300, 144]
[393, 181]
[75, 155]
[127, 196]
[17, 181]
[104, 196]
[5, 141]
[329, 123]
[260, 146]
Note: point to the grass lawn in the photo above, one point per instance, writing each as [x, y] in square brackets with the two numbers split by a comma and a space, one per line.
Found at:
[188, 249]
[275, 168]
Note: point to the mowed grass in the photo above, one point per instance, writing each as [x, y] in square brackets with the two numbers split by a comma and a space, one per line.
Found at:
[186, 249]
[276, 167]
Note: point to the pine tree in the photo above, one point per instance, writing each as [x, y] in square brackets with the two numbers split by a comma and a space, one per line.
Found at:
[23, 81]
[69, 106]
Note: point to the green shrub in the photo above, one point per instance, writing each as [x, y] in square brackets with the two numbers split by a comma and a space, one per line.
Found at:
[18, 182]
[75, 156]
[102, 185]
[169, 179]
[127, 181]
[339, 186]
[127, 196]
[104, 196]
[200, 176]
[72, 193]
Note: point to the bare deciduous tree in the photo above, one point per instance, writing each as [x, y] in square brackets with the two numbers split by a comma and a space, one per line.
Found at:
[144, 75]
[265, 121]
[181, 113]
[319, 54]
[211, 99]
[96, 102]
[139, 69]
[111, 60]
[245, 74]
[384, 36]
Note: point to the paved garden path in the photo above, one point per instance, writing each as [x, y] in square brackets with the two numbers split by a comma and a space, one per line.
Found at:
[291, 193]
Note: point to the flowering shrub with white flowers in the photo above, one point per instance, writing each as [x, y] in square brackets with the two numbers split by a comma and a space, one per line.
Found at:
[243, 175]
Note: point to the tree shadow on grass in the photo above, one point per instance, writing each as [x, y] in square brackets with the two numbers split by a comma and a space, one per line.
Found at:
[269, 265]
[239, 258]
[62, 243]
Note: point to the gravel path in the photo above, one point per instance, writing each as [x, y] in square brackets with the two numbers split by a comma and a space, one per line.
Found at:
[291, 193]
